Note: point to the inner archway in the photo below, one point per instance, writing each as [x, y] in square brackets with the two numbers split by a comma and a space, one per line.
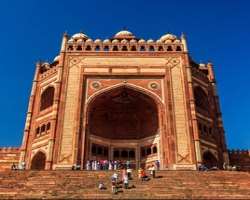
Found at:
[123, 113]
[209, 160]
[38, 162]
[122, 123]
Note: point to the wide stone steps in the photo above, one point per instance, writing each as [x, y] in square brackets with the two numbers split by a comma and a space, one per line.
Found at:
[84, 185]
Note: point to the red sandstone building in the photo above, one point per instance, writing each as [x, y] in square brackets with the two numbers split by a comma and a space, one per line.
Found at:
[123, 98]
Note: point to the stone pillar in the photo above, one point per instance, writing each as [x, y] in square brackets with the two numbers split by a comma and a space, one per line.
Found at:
[184, 42]
[184, 154]
[69, 113]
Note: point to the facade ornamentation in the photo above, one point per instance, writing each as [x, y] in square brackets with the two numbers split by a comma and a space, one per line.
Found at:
[124, 98]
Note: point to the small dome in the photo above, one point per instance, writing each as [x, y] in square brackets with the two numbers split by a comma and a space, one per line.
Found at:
[168, 41]
[124, 34]
[89, 40]
[141, 41]
[150, 41]
[177, 41]
[80, 35]
[115, 41]
[56, 58]
[46, 65]
[106, 41]
[70, 40]
[133, 41]
[158, 41]
[80, 40]
[167, 37]
[98, 41]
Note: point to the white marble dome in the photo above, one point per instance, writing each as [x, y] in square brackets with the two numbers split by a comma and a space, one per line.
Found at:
[115, 41]
[98, 41]
[106, 41]
[56, 58]
[89, 40]
[141, 41]
[71, 40]
[133, 41]
[124, 33]
[150, 41]
[168, 36]
[79, 35]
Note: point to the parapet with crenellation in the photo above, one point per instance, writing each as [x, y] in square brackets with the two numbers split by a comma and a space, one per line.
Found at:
[8, 156]
[240, 158]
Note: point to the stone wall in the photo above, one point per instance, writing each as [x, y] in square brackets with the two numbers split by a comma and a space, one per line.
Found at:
[240, 158]
[8, 156]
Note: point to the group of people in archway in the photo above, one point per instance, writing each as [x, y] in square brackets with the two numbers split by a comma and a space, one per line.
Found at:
[107, 164]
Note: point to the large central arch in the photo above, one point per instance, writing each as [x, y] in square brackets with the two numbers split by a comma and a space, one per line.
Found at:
[123, 123]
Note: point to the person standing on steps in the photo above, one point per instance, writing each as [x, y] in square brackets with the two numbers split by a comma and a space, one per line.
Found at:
[140, 173]
[114, 182]
[125, 181]
[129, 172]
[152, 171]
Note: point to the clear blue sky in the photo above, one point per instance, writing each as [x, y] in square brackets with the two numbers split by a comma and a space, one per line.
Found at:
[216, 30]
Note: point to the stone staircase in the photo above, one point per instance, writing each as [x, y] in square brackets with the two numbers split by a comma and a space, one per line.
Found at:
[84, 185]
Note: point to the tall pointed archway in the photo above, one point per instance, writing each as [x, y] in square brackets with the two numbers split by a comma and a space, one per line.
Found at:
[123, 124]
[38, 161]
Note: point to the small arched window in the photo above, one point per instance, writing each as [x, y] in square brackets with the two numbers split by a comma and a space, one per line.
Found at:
[37, 130]
[160, 48]
[178, 48]
[93, 149]
[154, 149]
[133, 48]
[142, 152]
[106, 48]
[148, 151]
[99, 150]
[79, 48]
[124, 48]
[70, 48]
[43, 128]
[88, 48]
[48, 126]
[151, 48]
[116, 154]
[47, 98]
[124, 154]
[97, 48]
[169, 48]
[142, 48]
[105, 151]
[115, 48]
[131, 154]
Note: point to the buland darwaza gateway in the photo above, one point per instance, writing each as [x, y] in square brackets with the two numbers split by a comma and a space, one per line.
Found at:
[123, 98]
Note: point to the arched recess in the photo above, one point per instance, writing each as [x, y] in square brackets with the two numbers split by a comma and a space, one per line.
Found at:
[125, 93]
[201, 99]
[47, 98]
[38, 161]
[209, 160]
[123, 113]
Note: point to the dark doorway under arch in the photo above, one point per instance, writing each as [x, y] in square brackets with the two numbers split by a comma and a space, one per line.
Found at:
[38, 161]
[123, 113]
[209, 160]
